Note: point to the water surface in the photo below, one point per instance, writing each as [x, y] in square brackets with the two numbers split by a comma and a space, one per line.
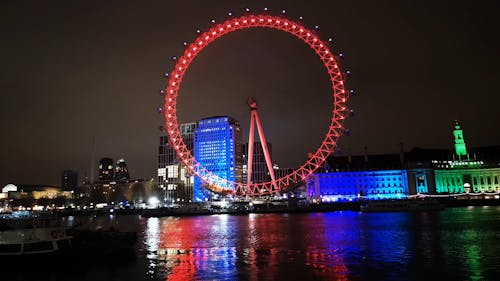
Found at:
[455, 244]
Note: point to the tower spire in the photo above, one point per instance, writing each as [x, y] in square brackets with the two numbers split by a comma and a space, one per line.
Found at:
[460, 148]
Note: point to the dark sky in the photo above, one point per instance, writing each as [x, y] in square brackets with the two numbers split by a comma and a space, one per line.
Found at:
[74, 70]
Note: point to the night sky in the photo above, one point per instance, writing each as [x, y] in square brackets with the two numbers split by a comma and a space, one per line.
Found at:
[75, 70]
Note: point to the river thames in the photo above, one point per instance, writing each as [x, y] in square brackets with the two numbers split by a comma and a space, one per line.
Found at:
[454, 244]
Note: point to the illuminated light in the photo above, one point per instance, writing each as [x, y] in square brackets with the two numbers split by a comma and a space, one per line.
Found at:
[184, 61]
[228, 26]
[237, 23]
[199, 43]
[169, 99]
[265, 9]
[185, 43]
[153, 201]
[247, 9]
[301, 18]
[244, 21]
[293, 26]
[212, 21]
[198, 31]
[283, 11]
[171, 91]
[206, 37]
[189, 55]
[229, 14]
[166, 74]
[332, 134]
[173, 83]
[221, 29]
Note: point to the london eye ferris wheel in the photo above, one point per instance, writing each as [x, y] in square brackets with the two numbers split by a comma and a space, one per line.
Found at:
[315, 160]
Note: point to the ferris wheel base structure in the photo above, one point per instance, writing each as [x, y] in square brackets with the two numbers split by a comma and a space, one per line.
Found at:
[315, 161]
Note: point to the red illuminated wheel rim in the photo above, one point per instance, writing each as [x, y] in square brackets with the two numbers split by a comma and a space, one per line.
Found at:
[315, 160]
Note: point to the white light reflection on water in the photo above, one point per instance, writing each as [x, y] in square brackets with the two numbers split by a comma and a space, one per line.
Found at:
[152, 241]
[152, 237]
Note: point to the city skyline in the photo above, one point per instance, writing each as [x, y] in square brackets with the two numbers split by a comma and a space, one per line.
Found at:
[75, 72]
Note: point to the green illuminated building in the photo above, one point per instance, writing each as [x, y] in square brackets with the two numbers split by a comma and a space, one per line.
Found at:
[465, 175]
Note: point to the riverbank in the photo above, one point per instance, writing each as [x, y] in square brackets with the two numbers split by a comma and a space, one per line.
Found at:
[322, 207]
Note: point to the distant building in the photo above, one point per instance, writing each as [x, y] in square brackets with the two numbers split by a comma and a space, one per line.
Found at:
[418, 172]
[173, 176]
[260, 172]
[106, 169]
[121, 171]
[349, 178]
[35, 191]
[457, 171]
[281, 172]
[217, 147]
[69, 180]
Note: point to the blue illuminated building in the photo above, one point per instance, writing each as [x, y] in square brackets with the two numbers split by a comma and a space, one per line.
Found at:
[350, 186]
[351, 178]
[217, 147]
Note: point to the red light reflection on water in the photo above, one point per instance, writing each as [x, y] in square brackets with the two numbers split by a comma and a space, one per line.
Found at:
[253, 247]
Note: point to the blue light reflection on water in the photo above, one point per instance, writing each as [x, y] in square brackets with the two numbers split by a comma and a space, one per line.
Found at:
[329, 246]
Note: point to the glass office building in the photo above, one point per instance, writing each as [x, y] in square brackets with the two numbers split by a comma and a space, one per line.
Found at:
[217, 147]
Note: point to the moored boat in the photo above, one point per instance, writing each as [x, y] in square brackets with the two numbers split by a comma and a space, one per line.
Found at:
[32, 237]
